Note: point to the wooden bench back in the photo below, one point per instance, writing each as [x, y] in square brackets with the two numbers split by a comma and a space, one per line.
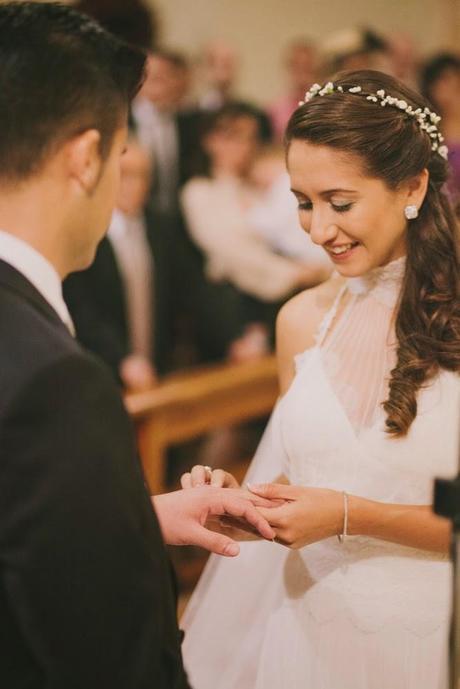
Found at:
[189, 404]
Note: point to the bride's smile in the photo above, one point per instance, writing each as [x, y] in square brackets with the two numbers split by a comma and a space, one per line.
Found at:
[358, 219]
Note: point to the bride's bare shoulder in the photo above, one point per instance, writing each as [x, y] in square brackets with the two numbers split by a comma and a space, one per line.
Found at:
[298, 322]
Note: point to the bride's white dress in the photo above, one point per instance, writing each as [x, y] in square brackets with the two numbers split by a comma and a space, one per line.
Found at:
[367, 614]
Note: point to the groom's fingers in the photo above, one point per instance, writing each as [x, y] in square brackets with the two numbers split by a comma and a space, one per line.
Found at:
[237, 524]
[245, 510]
[215, 543]
[222, 479]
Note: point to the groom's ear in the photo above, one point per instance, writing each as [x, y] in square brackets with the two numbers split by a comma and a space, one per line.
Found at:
[83, 160]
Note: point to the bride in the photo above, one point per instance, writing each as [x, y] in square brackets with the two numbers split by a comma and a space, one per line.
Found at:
[369, 415]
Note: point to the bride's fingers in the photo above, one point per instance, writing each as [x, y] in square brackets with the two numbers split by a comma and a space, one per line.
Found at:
[274, 491]
[281, 541]
[186, 480]
[246, 511]
[275, 516]
[200, 475]
[238, 524]
[218, 478]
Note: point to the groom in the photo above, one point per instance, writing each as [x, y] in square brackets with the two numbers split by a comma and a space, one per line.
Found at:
[86, 599]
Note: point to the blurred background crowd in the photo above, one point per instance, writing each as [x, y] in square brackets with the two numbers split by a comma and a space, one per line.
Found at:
[204, 245]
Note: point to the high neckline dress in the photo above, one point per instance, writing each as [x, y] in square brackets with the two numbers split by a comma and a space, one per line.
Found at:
[366, 614]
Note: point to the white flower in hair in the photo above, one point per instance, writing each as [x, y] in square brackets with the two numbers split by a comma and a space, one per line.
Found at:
[311, 92]
[443, 151]
[425, 118]
[329, 88]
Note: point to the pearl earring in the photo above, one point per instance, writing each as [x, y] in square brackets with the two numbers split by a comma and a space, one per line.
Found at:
[411, 212]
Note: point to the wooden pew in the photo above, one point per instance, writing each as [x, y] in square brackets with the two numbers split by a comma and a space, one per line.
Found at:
[187, 405]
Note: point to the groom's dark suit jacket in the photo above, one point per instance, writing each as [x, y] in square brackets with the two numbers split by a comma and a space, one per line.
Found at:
[86, 599]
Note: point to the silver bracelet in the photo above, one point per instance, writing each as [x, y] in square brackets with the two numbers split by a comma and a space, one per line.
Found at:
[344, 533]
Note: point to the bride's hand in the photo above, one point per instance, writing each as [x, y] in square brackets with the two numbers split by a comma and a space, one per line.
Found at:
[201, 475]
[307, 515]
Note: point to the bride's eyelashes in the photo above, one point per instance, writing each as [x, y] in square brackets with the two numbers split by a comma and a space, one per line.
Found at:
[338, 208]
[304, 205]
[342, 208]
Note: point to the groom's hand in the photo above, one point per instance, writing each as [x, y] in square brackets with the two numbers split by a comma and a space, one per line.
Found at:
[184, 513]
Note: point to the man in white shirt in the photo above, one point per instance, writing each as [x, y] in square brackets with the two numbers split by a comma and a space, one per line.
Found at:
[113, 302]
[169, 136]
[154, 112]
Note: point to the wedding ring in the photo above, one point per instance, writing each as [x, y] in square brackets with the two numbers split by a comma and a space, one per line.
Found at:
[208, 471]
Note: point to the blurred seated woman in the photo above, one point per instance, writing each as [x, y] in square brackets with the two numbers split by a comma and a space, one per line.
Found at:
[246, 280]
[274, 216]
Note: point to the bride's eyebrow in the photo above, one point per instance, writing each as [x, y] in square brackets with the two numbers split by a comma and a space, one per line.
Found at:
[330, 192]
[327, 192]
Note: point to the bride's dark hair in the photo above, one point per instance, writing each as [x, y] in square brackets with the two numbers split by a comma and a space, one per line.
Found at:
[393, 148]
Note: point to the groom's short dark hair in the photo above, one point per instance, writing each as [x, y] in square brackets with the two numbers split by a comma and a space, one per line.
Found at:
[60, 74]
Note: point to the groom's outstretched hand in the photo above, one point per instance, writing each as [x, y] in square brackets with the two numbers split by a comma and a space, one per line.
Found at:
[184, 513]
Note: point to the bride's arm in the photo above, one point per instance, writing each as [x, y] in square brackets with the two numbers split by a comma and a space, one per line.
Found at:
[312, 514]
[413, 525]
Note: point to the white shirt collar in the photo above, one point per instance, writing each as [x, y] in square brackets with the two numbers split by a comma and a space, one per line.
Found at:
[38, 271]
[117, 224]
[144, 111]
[122, 225]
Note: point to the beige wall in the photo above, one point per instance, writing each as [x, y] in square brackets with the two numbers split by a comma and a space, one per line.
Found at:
[260, 28]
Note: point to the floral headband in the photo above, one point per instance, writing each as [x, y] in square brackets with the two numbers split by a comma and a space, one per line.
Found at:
[426, 119]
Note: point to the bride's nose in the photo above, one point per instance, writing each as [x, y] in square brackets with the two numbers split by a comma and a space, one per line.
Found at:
[322, 227]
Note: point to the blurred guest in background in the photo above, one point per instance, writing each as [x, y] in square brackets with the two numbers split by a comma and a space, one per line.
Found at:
[168, 135]
[112, 302]
[131, 20]
[301, 66]
[356, 48]
[275, 216]
[243, 272]
[441, 85]
[220, 67]
[154, 114]
[405, 57]
[220, 64]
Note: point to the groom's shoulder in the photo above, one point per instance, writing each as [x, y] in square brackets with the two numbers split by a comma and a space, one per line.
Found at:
[37, 352]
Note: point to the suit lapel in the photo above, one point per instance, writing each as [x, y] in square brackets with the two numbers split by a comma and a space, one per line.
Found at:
[12, 280]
